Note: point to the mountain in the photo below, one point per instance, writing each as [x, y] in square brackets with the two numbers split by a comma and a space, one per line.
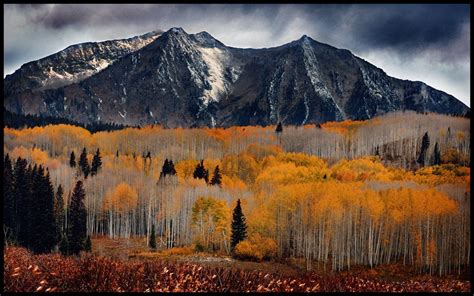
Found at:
[72, 64]
[179, 79]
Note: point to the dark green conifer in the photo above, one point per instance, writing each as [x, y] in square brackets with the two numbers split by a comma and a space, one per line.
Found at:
[238, 226]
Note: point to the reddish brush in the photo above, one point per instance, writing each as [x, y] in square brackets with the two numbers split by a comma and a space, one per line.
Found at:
[24, 272]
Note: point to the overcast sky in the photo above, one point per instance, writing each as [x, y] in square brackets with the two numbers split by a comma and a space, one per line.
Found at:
[429, 43]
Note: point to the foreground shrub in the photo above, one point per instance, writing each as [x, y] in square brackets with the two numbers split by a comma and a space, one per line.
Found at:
[256, 248]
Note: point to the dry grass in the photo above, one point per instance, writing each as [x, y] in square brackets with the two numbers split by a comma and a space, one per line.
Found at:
[24, 272]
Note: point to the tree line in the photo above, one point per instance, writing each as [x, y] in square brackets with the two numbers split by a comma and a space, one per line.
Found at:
[14, 120]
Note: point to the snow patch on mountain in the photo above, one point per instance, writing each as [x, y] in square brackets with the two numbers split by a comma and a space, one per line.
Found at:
[271, 94]
[123, 115]
[99, 64]
[306, 106]
[215, 59]
[374, 81]
[313, 72]
[80, 61]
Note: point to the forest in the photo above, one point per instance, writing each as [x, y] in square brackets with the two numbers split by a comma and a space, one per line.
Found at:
[393, 189]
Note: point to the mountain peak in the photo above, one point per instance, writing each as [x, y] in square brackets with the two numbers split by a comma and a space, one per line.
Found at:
[204, 34]
[305, 38]
[152, 33]
[298, 42]
[206, 39]
[177, 30]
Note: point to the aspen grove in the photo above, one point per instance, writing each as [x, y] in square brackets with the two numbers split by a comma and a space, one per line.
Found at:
[337, 194]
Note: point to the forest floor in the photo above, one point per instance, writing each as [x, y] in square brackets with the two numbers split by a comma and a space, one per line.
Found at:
[136, 249]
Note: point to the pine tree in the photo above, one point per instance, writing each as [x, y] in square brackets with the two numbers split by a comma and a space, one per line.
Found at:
[96, 163]
[216, 178]
[9, 207]
[22, 176]
[77, 228]
[152, 241]
[279, 128]
[279, 131]
[83, 163]
[436, 155]
[425, 144]
[72, 160]
[43, 225]
[239, 226]
[88, 245]
[199, 170]
[59, 211]
[167, 168]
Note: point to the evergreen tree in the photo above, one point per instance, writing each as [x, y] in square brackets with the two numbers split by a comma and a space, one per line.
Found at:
[72, 160]
[200, 171]
[96, 163]
[88, 245]
[9, 207]
[436, 155]
[279, 128]
[425, 144]
[77, 230]
[22, 193]
[239, 226]
[59, 211]
[152, 241]
[83, 163]
[34, 207]
[43, 223]
[51, 225]
[167, 168]
[216, 178]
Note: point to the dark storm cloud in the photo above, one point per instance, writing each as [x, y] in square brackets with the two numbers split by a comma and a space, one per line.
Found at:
[411, 27]
[405, 40]
[403, 27]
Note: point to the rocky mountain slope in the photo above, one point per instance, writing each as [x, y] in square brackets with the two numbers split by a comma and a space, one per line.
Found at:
[180, 79]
